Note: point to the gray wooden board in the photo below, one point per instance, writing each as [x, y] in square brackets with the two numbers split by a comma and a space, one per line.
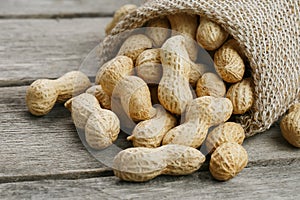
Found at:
[252, 183]
[41, 156]
[60, 8]
[32, 49]
[37, 147]
[32, 146]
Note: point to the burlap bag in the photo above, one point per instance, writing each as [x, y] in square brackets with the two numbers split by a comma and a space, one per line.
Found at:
[269, 34]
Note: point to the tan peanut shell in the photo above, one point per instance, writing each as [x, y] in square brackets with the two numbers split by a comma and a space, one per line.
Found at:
[150, 133]
[236, 46]
[158, 30]
[186, 25]
[227, 161]
[42, 94]
[201, 114]
[127, 124]
[229, 63]
[81, 107]
[119, 15]
[290, 126]
[210, 35]
[134, 45]
[101, 96]
[174, 91]
[113, 71]
[148, 66]
[210, 84]
[294, 107]
[227, 132]
[71, 84]
[143, 164]
[241, 96]
[135, 98]
[196, 71]
[102, 129]
[192, 48]
[101, 126]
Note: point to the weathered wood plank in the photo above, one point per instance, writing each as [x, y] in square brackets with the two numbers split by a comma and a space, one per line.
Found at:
[33, 146]
[32, 49]
[251, 183]
[270, 148]
[61, 8]
[39, 147]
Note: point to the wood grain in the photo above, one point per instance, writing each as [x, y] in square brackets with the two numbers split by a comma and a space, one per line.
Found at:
[43, 157]
[34, 148]
[251, 183]
[40, 147]
[32, 49]
[60, 8]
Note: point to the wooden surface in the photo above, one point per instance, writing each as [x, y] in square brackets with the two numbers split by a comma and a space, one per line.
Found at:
[254, 183]
[60, 8]
[43, 157]
[40, 48]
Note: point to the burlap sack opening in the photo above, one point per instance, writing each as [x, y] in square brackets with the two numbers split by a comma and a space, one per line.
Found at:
[269, 34]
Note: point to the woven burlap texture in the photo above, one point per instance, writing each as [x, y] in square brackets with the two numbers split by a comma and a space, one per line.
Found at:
[269, 34]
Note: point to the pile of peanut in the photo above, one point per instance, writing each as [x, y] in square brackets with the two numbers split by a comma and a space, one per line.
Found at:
[162, 67]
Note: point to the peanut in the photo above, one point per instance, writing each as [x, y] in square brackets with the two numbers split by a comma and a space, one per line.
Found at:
[227, 132]
[290, 126]
[42, 94]
[119, 15]
[148, 66]
[201, 114]
[113, 71]
[101, 96]
[116, 82]
[210, 35]
[234, 44]
[186, 25]
[134, 45]
[174, 91]
[229, 63]
[210, 84]
[192, 48]
[127, 124]
[150, 133]
[227, 161]
[294, 107]
[158, 31]
[143, 164]
[241, 96]
[196, 71]
[135, 98]
[81, 107]
[102, 129]
[101, 126]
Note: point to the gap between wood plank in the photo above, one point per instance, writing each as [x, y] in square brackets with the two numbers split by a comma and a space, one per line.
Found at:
[256, 183]
[57, 16]
[106, 172]
[27, 81]
[68, 175]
